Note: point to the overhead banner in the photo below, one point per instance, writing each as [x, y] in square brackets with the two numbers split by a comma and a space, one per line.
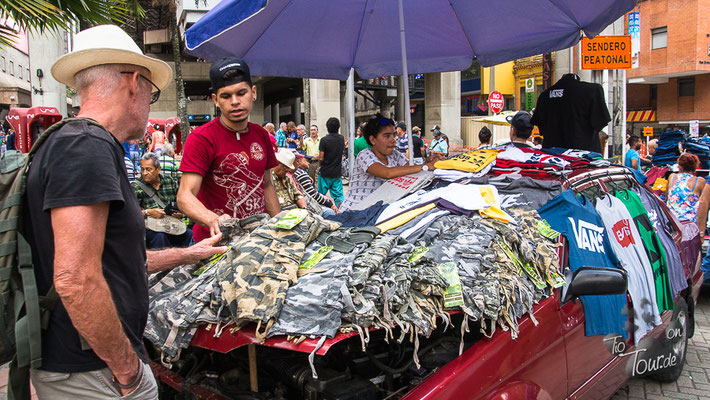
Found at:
[635, 32]
[606, 52]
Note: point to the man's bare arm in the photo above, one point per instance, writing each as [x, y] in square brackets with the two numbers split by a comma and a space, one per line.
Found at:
[160, 260]
[188, 203]
[270, 198]
[79, 234]
[301, 202]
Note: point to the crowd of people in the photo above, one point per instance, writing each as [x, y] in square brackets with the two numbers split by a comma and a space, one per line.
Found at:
[89, 222]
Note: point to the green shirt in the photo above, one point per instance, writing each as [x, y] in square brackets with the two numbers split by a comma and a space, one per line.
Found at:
[654, 249]
[167, 192]
[361, 144]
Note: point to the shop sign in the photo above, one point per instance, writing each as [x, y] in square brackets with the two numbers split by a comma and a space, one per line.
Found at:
[546, 71]
[606, 52]
[530, 85]
[694, 128]
[529, 93]
[635, 32]
[648, 131]
[529, 101]
[199, 117]
[496, 101]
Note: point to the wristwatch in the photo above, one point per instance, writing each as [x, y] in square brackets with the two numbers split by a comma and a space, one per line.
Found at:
[425, 167]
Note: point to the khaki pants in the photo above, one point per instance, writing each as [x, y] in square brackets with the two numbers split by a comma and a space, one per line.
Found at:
[313, 170]
[89, 385]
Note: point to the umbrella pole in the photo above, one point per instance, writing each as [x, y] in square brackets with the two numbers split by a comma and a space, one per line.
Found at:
[350, 89]
[405, 81]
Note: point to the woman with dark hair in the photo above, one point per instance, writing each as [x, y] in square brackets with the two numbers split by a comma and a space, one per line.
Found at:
[484, 136]
[684, 189]
[379, 163]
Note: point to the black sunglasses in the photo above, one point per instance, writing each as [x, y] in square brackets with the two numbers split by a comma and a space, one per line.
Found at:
[154, 96]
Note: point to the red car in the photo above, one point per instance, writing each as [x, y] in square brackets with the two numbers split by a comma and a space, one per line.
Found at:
[553, 360]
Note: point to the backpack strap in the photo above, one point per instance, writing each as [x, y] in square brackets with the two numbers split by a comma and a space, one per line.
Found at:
[151, 193]
[43, 137]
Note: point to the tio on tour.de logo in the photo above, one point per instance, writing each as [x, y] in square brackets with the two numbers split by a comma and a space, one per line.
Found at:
[651, 355]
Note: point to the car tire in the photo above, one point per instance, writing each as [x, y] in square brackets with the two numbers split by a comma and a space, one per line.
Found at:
[680, 348]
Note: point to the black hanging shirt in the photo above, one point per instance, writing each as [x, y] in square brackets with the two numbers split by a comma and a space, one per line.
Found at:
[571, 113]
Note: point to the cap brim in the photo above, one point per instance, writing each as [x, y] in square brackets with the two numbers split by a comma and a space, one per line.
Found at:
[64, 69]
[509, 118]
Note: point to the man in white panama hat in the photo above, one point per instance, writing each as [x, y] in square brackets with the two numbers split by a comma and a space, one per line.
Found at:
[86, 229]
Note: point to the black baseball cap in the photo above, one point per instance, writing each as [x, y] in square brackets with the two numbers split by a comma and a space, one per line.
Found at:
[402, 126]
[221, 67]
[520, 121]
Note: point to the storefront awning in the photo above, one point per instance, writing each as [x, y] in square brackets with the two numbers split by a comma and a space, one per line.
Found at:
[641, 116]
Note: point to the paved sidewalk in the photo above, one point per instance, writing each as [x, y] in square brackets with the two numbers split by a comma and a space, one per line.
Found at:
[694, 383]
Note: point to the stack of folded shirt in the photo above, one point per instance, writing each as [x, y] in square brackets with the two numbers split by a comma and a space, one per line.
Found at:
[473, 161]
[534, 163]
[667, 151]
[700, 149]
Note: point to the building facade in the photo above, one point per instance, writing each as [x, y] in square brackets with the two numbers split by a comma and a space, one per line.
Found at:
[672, 80]
[15, 85]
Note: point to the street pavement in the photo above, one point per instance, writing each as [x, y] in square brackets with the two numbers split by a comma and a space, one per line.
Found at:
[694, 383]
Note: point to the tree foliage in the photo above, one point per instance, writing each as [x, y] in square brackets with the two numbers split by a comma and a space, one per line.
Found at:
[44, 16]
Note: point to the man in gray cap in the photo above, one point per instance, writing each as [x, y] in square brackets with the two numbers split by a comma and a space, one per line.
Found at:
[86, 229]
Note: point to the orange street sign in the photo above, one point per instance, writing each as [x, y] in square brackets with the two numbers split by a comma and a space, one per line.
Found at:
[648, 131]
[606, 52]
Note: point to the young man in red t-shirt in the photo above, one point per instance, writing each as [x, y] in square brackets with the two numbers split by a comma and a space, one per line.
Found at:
[226, 162]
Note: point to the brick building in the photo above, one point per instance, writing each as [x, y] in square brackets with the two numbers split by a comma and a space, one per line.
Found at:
[673, 73]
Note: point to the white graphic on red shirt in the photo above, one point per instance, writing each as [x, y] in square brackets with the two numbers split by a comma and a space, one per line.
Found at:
[622, 232]
[257, 152]
[244, 198]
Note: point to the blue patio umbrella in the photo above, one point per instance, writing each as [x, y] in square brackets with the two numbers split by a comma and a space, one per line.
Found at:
[326, 38]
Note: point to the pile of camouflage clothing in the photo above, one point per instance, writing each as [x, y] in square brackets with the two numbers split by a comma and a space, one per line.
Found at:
[317, 278]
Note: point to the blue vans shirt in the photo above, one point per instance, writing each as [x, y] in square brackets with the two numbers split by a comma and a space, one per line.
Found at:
[576, 219]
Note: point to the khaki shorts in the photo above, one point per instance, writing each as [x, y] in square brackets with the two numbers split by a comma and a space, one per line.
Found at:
[89, 385]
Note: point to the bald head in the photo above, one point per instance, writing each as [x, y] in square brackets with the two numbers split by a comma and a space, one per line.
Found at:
[101, 81]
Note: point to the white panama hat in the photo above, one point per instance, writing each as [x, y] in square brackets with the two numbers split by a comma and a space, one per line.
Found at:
[286, 157]
[107, 44]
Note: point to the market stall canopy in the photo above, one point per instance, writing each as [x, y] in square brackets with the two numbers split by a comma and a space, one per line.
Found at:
[325, 38]
[499, 119]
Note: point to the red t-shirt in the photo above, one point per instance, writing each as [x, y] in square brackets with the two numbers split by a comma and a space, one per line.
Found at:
[232, 170]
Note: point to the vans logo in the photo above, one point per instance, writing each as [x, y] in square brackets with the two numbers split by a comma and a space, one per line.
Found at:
[589, 236]
[557, 93]
[622, 232]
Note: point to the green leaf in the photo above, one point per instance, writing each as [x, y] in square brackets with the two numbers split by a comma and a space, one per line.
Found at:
[40, 16]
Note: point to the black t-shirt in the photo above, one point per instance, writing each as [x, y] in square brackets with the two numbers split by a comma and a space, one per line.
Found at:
[81, 164]
[571, 113]
[332, 146]
[417, 145]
